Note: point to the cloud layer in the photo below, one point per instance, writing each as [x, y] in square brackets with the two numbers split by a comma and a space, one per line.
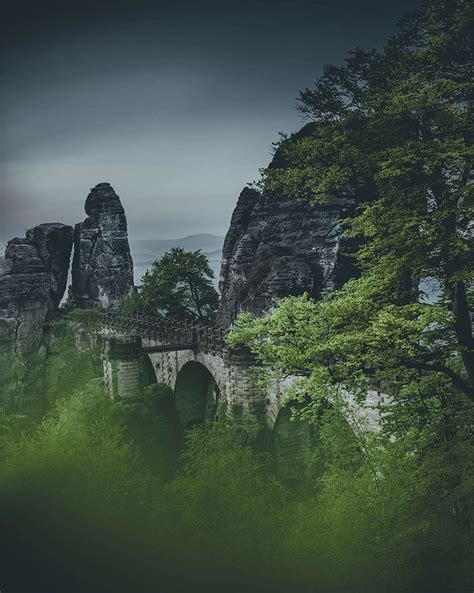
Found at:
[174, 103]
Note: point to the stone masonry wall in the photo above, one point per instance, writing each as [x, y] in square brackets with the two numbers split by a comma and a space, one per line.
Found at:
[241, 400]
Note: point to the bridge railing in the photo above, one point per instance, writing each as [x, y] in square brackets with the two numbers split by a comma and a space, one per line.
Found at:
[170, 333]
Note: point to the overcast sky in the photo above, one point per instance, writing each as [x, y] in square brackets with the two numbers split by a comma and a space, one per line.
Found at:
[175, 103]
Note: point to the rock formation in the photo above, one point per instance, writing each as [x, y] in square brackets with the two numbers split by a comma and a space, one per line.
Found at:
[278, 246]
[33, 277]
[102, 269]
[53, 242]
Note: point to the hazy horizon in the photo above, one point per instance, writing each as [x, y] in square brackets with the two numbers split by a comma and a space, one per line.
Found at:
[176, 104]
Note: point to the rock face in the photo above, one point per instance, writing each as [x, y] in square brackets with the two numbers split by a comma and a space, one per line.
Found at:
[33, 277]
[102, 269]
[53, 242]
[277, 246]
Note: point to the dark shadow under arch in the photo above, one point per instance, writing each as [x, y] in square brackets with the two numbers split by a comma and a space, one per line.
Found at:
[196, 394]
[148, 372]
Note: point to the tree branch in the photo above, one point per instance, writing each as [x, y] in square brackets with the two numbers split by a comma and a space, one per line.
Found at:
[456, 379]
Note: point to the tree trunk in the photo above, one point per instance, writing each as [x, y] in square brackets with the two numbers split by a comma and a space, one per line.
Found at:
[462, 320]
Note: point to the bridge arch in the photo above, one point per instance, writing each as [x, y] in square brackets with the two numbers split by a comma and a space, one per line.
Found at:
[168, 365]
[148, 371]
[196, 393]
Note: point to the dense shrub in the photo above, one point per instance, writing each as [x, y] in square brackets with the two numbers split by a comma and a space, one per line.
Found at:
[83, 511]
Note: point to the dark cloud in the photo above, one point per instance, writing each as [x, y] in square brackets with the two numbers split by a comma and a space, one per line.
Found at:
[175, 103]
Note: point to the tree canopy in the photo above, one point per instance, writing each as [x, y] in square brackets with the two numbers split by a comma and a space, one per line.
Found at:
[393, 129]
[179, 286]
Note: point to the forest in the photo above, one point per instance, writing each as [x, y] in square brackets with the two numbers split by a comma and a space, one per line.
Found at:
[96, 497]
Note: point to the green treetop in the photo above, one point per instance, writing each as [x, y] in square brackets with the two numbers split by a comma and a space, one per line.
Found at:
[394, 130]
[179, 286]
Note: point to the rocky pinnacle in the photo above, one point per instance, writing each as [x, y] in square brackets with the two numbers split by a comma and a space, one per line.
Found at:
[102, 269]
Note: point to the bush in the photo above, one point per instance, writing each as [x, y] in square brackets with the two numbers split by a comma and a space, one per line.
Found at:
[80, 493]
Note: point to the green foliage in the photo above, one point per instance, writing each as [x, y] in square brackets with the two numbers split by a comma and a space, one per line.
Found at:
[85, 315]
[130, 303]
[378, 519]
[90, 491]
[73, 354]
[394, 130]
[153, 425]
[403, 495]
[227, 493]
[178, 286]
[357, 337]
[105, 503]
[12, 426]
[389, 516]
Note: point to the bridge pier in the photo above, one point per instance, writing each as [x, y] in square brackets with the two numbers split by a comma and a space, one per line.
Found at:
[239, 400]
[123, 367]
[244, 404]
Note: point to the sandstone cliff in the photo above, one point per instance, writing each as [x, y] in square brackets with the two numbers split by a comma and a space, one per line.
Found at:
[102, 269]
[278, 246]
[33, 277]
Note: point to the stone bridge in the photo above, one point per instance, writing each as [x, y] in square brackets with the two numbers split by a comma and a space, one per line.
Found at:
[210, 381]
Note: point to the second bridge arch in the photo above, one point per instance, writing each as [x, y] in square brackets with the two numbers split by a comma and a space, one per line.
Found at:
[196, 394]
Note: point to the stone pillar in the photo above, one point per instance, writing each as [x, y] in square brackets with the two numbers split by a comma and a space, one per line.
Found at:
[245, 401]
[102, 267]
[123, 368]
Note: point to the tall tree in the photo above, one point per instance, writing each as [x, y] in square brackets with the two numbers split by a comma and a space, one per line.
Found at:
[179, 286]
[394, 128]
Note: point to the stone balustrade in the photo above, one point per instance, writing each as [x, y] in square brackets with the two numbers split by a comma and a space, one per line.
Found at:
[175, 334]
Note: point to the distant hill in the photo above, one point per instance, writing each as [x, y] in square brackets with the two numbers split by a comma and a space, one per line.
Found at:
[146, 251]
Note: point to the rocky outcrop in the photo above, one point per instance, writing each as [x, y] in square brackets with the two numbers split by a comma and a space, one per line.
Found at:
[278, 246]
[102, 270]
[33, 277]
[53, 243]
